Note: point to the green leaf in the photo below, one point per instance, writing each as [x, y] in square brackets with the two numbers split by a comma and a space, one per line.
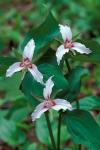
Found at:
[3, 113]
[11, 87]
[49, 57]
[20, 114]
[74, 79]
[89, 103]
[94, 57]
[42, 36]
[33, 89]
[98, 119]
[32, 146]
[83, 129]
[49, 70]
[9, 132]
[43, 135]
[5, 62]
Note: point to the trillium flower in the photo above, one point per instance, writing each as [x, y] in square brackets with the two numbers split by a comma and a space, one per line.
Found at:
[49, 103]
[26, 63]
[69, 44]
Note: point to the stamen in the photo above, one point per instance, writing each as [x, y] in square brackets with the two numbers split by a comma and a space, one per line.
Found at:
[68, 44]
[49, 103]
[21, 64]
[26, 63]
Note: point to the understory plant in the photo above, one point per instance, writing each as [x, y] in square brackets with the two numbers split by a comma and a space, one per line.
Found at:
[51, 82]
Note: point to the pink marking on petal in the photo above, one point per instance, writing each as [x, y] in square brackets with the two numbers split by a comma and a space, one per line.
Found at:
[68, 44]
[49, 103]
[26, 63]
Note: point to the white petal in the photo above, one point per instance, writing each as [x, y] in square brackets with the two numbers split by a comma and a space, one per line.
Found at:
[60, 52]
[48, 88]
[65, 32]
[13, 68]
[29, 50]
[81, 48]
[38, 111]
[62, 104]
[36, 74]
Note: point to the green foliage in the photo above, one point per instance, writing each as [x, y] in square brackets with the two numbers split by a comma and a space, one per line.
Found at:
[93, 57]
[89, 103]
[11, 87]
[43, 36]
[20, 114]
[32, 146]
[43, 135]
[35, 90]
[10, 133]
[98, 119]
[74, 80]
[83, 129]
[5, 62]
[14, 107]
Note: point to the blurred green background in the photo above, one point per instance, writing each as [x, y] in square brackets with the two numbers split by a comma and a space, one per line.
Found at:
[17, 17]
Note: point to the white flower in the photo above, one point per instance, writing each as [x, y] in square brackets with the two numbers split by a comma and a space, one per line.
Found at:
[48, 103]
[26, 63]
[68, 44]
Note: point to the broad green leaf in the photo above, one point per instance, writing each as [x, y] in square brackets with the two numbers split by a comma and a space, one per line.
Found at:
[74, 79]
[33, 89]
[96, 75]
[94, 57]
[9, 132]
[89, 103]
[5, 62]
[49, 70]
[98, 119]
[11, 86]
[20, 114]
[43, 135]
[32, 146]
[83, 129]
[3, 113]
[43, 35]
[49, 57]
[75, 147]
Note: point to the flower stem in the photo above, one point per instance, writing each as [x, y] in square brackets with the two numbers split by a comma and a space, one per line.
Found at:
[50, 130]
[59, 130]
[69, 70]
[68, 66]
[79, 147]
[77, 102]
[23, 74]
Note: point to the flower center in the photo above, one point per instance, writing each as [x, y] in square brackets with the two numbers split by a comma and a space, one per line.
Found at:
[68, 44]
[49, 103]
[26, 63]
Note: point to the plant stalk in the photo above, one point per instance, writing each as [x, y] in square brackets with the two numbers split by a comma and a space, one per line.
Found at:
[77, 102]
[50, 130]
[59, 130]
[79, 146]
[68, 66]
